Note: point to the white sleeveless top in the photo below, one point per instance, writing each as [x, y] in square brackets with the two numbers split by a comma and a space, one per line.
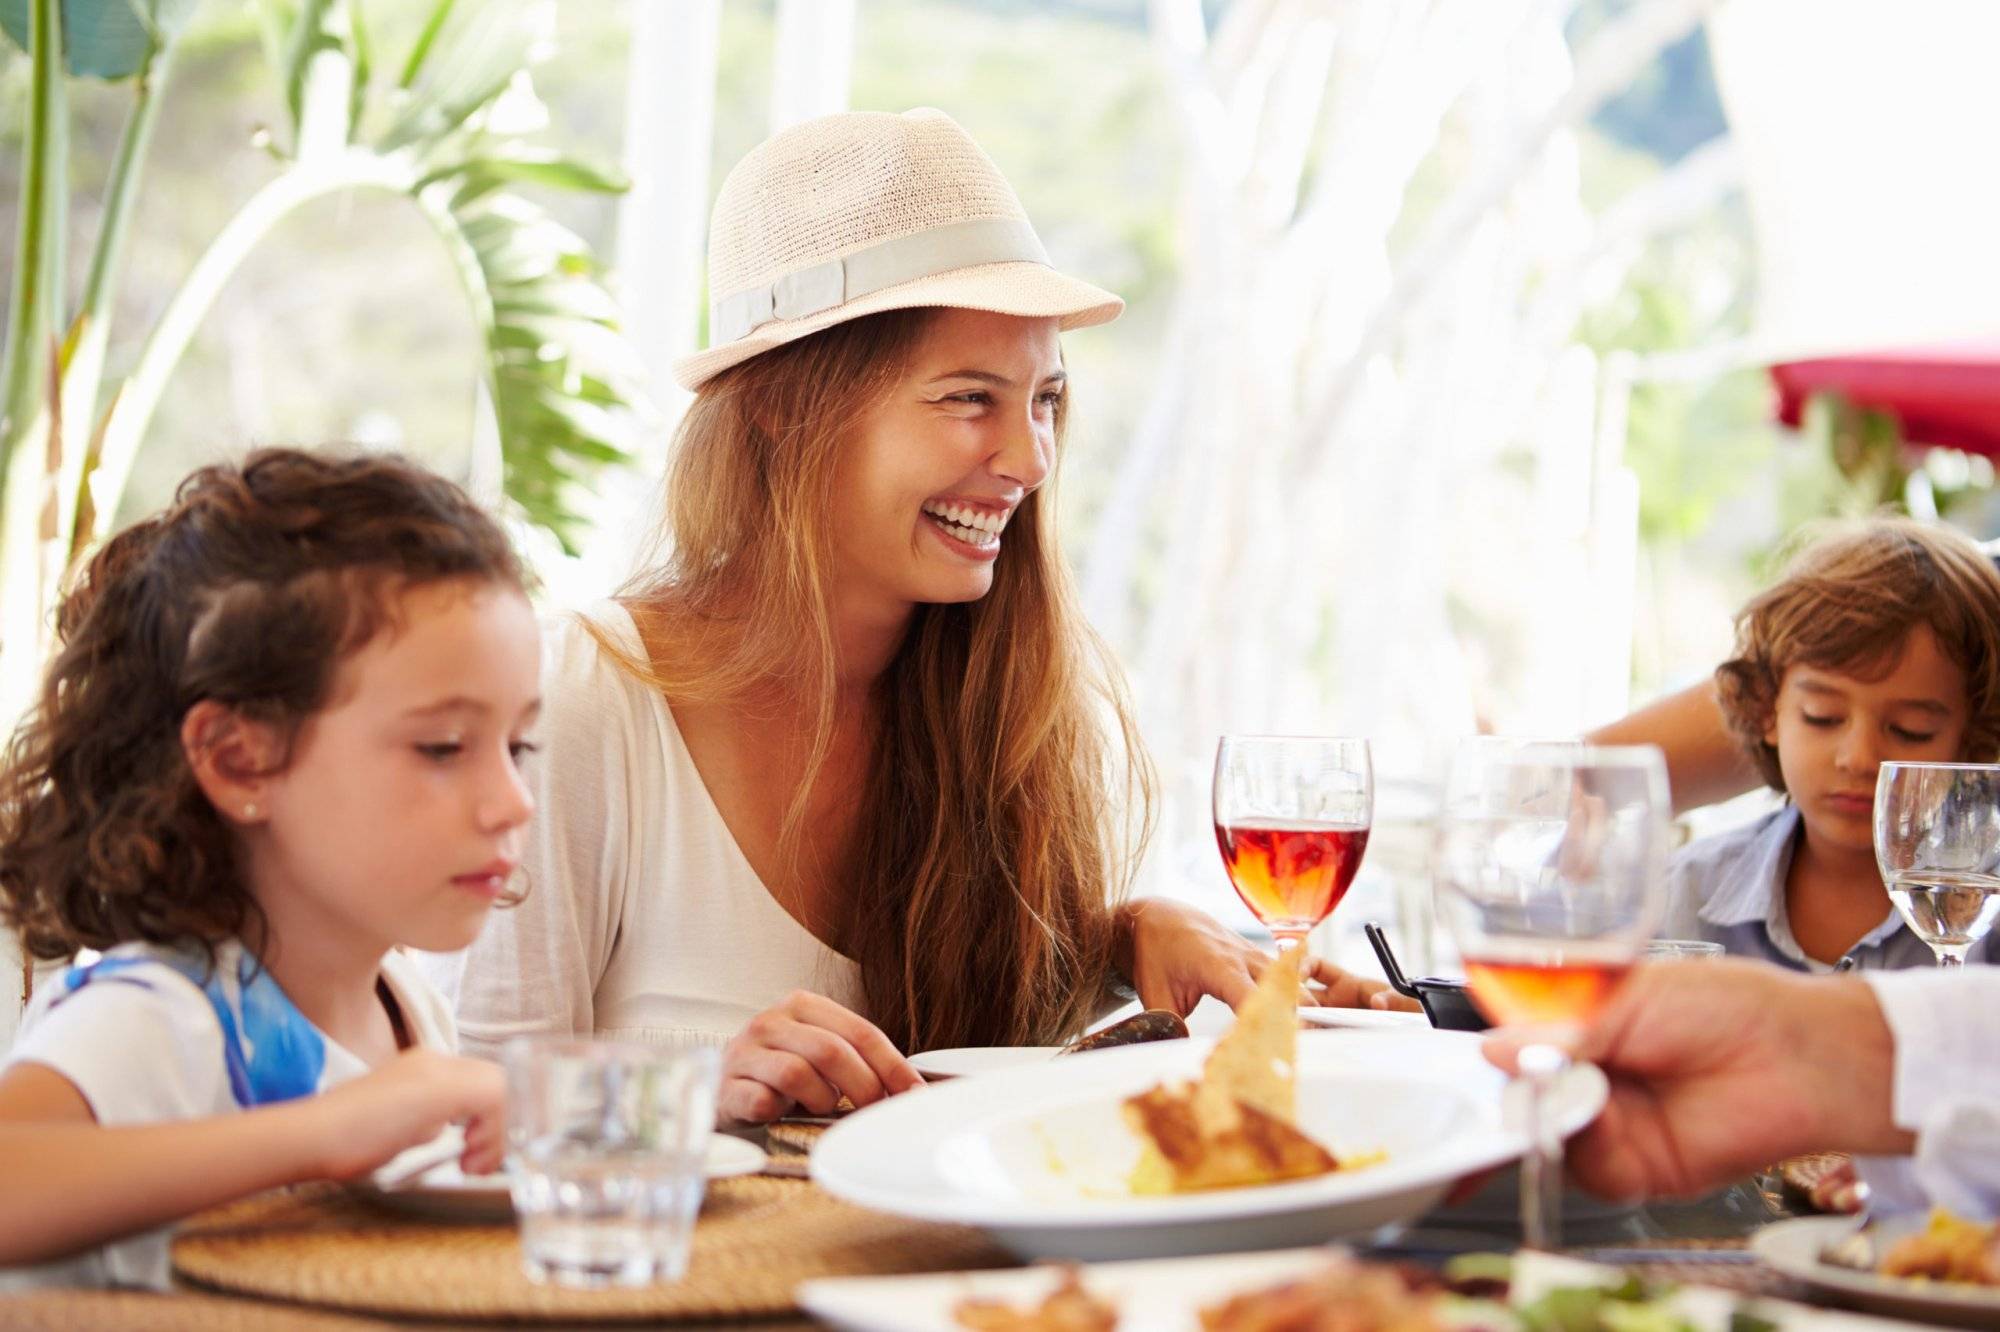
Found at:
[643, 919]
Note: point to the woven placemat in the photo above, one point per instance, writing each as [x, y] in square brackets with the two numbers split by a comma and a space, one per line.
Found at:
[123, 1310]
[798, 1138]
[756, 1241]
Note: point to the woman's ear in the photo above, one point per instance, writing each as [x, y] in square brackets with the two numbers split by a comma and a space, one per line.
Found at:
[233, 760]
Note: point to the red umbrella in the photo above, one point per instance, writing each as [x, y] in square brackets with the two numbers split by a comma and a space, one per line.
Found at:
[1946, 396]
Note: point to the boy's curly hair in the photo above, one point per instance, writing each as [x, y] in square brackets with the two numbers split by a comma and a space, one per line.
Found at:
[250, 589]
[1846, 603]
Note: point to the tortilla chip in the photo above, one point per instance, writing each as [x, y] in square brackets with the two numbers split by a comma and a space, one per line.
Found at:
[1187, 1150]
[1237, 1125]
[1255, 1063]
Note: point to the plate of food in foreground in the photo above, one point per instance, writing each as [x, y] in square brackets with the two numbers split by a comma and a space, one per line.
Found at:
[1304, 1290]
[1939, 1268]
[1263, 1139]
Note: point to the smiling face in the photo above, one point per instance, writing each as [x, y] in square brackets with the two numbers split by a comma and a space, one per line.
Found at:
[1832, 730]
[938, 467]
[400, 815]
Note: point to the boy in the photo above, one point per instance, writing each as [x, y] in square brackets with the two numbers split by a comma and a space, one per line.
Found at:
[1881, 642]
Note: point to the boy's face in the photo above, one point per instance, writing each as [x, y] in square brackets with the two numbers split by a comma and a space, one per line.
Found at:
[1833, 730]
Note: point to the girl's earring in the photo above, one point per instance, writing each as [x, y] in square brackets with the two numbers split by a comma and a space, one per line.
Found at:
[250, 810]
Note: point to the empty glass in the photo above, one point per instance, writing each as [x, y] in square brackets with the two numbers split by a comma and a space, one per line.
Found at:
[1937, 843]
[1669, 950]
[605, 1147]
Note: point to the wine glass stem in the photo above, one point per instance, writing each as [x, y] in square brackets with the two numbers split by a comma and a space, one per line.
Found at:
[1950, 960]
[1541, 1168]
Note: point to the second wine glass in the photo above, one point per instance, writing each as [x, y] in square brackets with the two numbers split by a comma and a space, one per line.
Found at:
[1937, 843]
[1292, 815]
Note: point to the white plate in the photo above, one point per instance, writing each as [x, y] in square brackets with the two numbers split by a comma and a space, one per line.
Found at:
[939, 1065]
[1364, 1019]
[1794, 1248]
[1038, 1156]
[1163, 1296]
[447, 1193]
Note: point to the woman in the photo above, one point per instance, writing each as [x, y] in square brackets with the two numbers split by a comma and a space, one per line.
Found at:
[843, 748]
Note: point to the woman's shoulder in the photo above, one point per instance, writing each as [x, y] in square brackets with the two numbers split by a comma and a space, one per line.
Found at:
[591, 659]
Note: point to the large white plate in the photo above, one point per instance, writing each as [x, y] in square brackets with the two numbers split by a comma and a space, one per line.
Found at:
[1163, 1296]
[1364, 1019]
[1794, 1248]
[1038, 1156]
[447, 1193]
[963, 1062]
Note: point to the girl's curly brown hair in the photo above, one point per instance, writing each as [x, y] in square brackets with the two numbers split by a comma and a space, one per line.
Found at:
[1848, 601]
[250, 589]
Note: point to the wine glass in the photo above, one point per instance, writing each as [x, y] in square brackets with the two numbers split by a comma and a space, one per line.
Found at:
[1292, 815]
[1550, 874]
[1937, 843]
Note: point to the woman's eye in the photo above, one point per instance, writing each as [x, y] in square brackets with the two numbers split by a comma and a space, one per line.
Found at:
[1052, 399]
[441, 753]
[520, 749]
[973, 398]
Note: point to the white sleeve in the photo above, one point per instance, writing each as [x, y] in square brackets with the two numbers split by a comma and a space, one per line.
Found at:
[142, 1047]
[535, 967]
[1946, 1090]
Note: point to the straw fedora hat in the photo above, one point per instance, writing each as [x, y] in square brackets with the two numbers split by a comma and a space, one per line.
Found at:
[866, 211]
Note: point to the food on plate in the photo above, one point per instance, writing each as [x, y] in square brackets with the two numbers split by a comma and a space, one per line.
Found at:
[1237, 1124]
[1068, 1308]
[1826, 1180]
[1155, 1024]
[1950, 1248]
[1343, 1296]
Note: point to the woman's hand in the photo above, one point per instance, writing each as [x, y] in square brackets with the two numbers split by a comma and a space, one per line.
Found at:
[406, 1102]
[1174, 955]
[808, 1051]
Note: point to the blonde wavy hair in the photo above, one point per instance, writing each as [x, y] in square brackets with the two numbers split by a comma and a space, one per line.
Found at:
[1008, 797]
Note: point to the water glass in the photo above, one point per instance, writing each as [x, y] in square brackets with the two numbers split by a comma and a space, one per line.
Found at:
[1937, 843]
[605, 1147]
[1682, 950]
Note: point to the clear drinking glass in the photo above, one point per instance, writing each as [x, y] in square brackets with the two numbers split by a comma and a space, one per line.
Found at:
[1292, 815]
[605, 1147]
[1550, 873]
[1937, 843]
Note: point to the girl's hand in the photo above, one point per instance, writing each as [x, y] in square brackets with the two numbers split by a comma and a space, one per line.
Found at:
[408, 1101]
[808, 1051]
[1178, 954]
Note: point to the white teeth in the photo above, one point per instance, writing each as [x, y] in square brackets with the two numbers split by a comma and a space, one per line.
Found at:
[974, 525]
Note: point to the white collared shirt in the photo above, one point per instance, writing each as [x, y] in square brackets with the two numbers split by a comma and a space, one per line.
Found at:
[1730, 889]
[1946, 1026]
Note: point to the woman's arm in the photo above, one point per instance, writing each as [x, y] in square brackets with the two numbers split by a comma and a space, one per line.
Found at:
[73, 1184]
[1705, 764]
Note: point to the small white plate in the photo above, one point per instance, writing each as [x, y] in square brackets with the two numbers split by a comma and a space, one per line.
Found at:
[1364, 1019]
[447, 1193]
[939, 1065]
[1794, 1248]
[1039, 1158]
[1164, 1296]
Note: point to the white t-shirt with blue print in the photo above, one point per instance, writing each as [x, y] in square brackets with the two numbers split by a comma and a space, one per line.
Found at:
[150, 1035]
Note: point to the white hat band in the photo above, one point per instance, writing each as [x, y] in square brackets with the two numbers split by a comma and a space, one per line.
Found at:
[807, 291]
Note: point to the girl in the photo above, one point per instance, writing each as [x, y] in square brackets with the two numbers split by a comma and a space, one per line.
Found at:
[280, 739]
[840, 774]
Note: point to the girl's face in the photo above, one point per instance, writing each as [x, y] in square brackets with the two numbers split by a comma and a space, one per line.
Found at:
[1833, 730]
[924, 491]
[401, 812]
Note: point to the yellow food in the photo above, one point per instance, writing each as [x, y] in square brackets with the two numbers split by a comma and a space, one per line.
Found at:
[1237, 1124]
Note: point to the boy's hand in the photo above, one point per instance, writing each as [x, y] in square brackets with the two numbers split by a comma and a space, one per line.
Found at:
[362, 1124]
